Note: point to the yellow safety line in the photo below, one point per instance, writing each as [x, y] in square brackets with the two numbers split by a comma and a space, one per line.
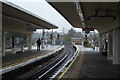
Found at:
[16, 63]
[67, 67]
[32, 57]
[75, 73]
[18, 60]
[70, 65]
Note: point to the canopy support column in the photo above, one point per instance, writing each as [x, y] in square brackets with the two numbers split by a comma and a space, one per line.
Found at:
[29, 41]
[110, 46]
[100, 42]
[116, 46]
[3, 42]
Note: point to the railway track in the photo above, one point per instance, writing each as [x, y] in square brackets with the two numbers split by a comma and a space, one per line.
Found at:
[58, 65]
[47, 68]
[72, 51]
[47, 71]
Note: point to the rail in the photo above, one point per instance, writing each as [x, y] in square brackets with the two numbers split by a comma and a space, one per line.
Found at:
[48, 69]
[45, 73]
[60, 70]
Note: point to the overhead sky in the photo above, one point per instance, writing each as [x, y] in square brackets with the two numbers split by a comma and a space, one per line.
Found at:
[44, 10]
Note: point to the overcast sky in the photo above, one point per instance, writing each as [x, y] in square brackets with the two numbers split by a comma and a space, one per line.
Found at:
[44, 10]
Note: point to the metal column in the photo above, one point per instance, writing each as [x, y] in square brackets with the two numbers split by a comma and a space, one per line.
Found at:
[13, 48]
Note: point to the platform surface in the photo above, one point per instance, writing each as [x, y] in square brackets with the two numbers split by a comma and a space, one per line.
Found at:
[92, 64]
[19, 57]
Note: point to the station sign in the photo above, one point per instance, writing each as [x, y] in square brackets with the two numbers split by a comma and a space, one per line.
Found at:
[87, 30]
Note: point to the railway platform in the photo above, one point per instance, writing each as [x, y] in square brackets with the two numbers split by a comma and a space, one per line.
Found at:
[90, 64]
[13, 61]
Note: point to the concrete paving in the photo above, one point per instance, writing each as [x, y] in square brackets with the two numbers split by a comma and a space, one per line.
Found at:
[92, 64]
[95, 65]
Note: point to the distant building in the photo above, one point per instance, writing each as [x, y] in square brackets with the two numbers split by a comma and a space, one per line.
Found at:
[76, 41]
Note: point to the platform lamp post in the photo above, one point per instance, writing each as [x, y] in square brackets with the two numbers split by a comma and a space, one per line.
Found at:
[13, 45]
[58, 39]
[51, 37]
[43, 38]
[47, 39]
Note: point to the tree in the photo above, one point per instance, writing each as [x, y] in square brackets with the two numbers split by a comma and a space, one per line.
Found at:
[67, 38]
[86, 43]
[21, 36]
[78, 35]
[15, 34]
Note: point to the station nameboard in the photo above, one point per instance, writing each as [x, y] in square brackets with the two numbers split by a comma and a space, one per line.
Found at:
[88, 29]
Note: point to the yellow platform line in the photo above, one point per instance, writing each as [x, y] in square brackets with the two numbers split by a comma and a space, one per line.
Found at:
[71, 64]
[26, 59]
[68, 67]
[16, 63]
[21, 60]
[32, 57]
[76, 71]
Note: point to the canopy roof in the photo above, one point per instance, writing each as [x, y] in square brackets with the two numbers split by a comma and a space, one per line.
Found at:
[68, 11]
[102, 16]
[15, 18]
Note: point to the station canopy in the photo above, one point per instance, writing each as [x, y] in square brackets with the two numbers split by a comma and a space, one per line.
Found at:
[102, 16]
[17, 19]
[68, 11]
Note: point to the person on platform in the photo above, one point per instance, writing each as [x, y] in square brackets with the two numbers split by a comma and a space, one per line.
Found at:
[38, 44]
